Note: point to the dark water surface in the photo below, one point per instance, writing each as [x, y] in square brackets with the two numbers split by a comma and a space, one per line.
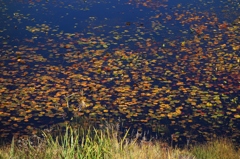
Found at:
[154, 64]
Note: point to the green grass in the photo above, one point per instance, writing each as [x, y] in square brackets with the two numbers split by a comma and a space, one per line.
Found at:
[91, 143]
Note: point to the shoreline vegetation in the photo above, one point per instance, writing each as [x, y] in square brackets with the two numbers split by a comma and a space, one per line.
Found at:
[80, 141]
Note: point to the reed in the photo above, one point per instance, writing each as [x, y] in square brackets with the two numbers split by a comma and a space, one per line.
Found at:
[91, 143]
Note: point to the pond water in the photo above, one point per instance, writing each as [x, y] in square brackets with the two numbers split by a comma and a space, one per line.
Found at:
[150, 63]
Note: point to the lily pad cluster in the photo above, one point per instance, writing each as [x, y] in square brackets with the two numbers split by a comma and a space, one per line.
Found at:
[177, 66]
